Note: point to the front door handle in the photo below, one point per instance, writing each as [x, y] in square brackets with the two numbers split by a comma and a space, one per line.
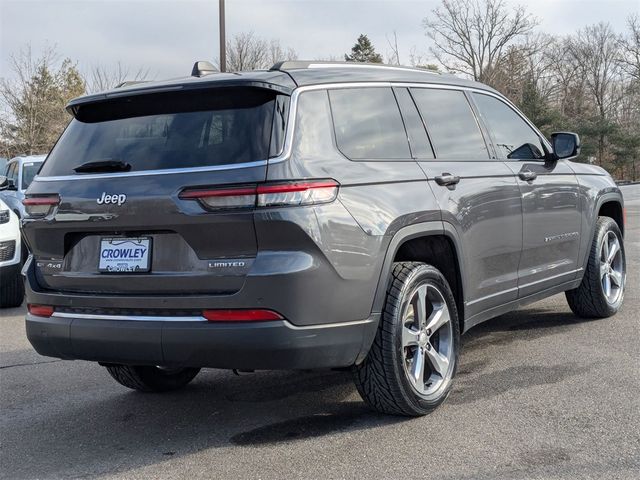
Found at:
[528, 175]
[446, 179]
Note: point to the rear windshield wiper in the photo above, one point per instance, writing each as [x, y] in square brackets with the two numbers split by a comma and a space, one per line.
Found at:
[103, 166]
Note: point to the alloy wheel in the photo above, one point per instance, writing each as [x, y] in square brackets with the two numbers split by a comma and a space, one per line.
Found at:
[427, 341]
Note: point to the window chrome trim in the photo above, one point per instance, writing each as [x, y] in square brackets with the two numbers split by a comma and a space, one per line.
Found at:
[291, 124]
[142, 173]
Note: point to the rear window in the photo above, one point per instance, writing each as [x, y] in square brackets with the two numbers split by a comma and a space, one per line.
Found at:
[165, 131]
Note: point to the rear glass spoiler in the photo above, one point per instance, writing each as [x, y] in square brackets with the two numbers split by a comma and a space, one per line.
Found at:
[75, 105]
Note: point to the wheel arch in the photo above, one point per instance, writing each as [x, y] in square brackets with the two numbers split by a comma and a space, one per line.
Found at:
[409, 244]
[609, 204]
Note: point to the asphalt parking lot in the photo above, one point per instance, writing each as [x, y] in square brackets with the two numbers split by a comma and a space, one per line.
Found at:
[539, 394]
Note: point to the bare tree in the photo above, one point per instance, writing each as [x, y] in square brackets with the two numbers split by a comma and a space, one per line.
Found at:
[596, 52]
[472, 36]
[394, 57]
[630, 58]
[102, 78]
[276, 53]
[246, 51]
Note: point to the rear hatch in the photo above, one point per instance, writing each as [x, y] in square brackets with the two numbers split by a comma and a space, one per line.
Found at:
[120, 224]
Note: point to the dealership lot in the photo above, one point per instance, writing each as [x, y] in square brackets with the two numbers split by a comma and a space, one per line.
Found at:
[540, 394]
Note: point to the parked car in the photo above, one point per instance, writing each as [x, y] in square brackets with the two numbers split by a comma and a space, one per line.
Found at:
[314, 215]
[11, 281]
[19, 172]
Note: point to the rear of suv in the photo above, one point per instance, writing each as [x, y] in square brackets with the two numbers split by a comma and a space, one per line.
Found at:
[310, 216]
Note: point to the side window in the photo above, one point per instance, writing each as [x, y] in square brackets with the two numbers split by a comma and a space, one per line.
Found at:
[418, 139]
[12, 171]
[312, 134]
[514, 138]
[368, 125]
[452, 126]
[279, 125]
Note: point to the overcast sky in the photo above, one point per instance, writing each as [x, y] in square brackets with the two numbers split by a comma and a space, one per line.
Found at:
[167, 36]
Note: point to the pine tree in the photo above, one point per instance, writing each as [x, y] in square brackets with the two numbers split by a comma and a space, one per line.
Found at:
[363, 51]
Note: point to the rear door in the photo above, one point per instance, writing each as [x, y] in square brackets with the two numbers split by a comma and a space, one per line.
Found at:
[119, 169]
[549, 189]
[478, 196]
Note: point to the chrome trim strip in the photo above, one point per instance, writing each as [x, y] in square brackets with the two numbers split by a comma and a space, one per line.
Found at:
[288, 146]
[552, 277]
[142, 173]
[149, 318]
[327, 325]
[137, 318]
[425, 85]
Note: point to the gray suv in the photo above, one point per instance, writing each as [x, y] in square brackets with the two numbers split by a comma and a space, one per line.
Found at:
[316, 215]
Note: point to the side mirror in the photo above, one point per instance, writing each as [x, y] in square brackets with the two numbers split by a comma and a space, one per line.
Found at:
[565, 144]
[6, 183]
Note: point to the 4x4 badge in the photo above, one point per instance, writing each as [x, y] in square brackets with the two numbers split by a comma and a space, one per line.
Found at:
[115, 198]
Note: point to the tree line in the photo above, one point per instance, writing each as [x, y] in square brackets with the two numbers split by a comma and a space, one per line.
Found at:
[587, 82]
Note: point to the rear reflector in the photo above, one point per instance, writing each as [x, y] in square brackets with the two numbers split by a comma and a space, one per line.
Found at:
[268, 195]
[40, 310]
[241, 315]
[40, 206]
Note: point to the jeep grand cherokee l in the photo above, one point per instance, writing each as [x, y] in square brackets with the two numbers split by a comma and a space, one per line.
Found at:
[314, 215]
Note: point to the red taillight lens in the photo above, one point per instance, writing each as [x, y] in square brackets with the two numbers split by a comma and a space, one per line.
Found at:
[224, 198]
[40, 206]
[267, 195]
[241, 315]
[40, 310]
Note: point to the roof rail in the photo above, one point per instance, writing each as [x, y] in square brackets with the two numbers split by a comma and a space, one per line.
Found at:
[309, 64]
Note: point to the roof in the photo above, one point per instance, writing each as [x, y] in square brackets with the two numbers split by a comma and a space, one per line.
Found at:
[29, 158]
[284, 77]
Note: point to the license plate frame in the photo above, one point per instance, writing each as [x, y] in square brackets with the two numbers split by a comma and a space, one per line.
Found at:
[134, 261]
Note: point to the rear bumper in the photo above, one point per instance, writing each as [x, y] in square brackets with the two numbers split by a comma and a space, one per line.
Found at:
[195, 342]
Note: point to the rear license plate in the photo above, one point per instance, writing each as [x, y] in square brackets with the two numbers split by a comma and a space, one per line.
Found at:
[120, 254]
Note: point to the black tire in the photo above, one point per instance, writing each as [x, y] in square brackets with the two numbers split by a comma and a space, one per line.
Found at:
[381, 379]
[12, 291]
[589, 299]
[151, 379]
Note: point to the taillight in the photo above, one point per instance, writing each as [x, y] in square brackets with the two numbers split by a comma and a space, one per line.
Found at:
[303, 193]
[241, 315]
[40, 206]
[266, 195]
[40, 310]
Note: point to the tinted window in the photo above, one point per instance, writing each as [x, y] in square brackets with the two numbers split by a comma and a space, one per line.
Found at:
[453, 128]
[418, 140]
[279, 125]
[367, 123]
[191, 129]
[514, 138]
[313, 135]
[29, 171]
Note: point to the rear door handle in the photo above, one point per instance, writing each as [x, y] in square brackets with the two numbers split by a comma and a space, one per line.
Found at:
[446, 179]
[527, 175]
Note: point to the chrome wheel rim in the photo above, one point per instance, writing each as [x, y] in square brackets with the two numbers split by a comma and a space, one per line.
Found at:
[427, 341]
[611, 268]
